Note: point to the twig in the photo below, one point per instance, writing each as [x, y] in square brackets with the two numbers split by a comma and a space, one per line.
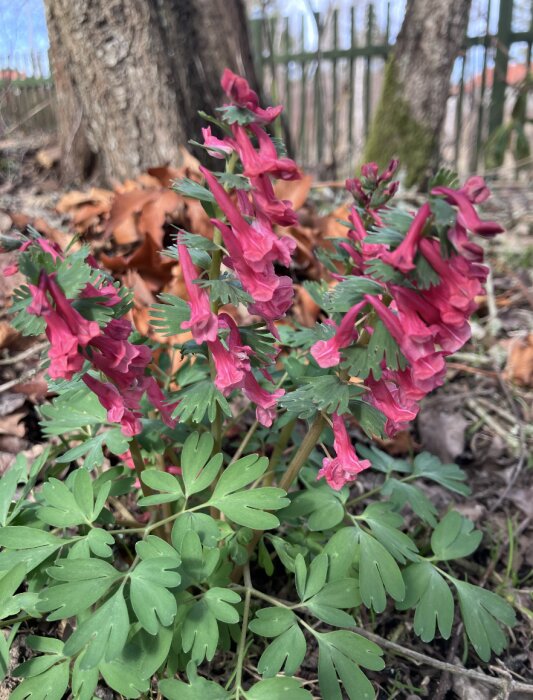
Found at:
[511, 441]
[38, 108]
[14, 382]
[24, 354]
[506, 685]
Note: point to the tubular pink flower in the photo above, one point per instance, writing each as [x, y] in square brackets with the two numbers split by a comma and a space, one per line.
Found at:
[84, 330]
[265, 401]
[279, 211]
[215, 146]
[327, 352]
[388, 396]
[475, 188]
[403, 257]
[467, 216]
[203, 322]
[109, 397]
[265, 160]
[239, 91]
[277, 306]
[346, 465]
[228, 374]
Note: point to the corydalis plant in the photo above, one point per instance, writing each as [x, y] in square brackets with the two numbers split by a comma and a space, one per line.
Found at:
[154, 583]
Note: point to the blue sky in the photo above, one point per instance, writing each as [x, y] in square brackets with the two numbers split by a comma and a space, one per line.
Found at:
[22, 29]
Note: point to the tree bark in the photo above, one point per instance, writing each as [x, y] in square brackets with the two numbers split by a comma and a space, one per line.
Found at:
[413, 101]
[131, 76]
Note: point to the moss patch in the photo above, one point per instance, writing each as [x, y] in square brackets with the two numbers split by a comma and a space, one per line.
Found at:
[394, 132]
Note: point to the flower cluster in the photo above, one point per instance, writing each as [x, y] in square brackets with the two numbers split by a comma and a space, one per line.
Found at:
[252, 246]
[427, 322]
[76, 341]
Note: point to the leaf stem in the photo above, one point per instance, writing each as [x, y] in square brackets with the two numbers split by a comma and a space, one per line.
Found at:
[283, 441]
[244, 629]
[308, 444]
[139, 465]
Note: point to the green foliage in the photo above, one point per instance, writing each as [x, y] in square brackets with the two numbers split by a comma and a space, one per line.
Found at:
[167, 318]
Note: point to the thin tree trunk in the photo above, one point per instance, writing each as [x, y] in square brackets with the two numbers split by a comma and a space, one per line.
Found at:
[131, 76]
[412, 106]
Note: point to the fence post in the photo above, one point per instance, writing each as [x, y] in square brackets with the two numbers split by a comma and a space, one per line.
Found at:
[500, 65]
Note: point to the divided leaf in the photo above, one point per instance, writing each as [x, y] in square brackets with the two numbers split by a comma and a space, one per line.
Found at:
[454, 537]
[428, 592]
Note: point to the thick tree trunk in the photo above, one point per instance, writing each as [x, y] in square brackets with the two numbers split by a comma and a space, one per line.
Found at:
[131, 76]
[413, 101]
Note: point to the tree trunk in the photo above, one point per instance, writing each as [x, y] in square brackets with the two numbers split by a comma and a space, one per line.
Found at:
[412, 106]
[131, 76]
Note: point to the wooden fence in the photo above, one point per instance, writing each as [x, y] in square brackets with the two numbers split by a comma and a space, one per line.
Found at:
[327, 70]
[26, 93]
[330, 89]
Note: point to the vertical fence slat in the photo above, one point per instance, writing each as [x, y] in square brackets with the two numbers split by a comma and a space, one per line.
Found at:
[481, 109]
[335, 89]
[459, 111]
[288, 96]
[500, 64]
[303, 97]
[368, 66]
[351, 85]
[319, 118]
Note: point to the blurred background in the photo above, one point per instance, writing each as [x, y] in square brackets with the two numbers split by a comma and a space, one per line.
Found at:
[117, 85]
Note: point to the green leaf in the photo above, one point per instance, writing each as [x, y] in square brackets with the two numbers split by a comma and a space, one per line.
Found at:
[63, 508]
[221, 602]
[384, 524]
[198, 470]
[50, 685]
[226, 290]
[288, 651]
[158, 480]
[22, 537]
[86, 581]
[192, 189]
[450, 476]
[92, 448]
[271, 622]
[8, 485]
[401, 493]
[9, 583]
[428, 592]
[378, 573]
[73, 409]
[198, 561]
[198, 689]
[322, 393]
[384, 462]
[84, 682]
[167, 317]
[342, 549]
[322, 506]
[454, 537]
[201, 523]
[152, 603]
[278, 689]
[340, 654]
[199, 400]
[371, 420]
[131, 672]
[199, 633]
[152, 546]
[360, 361]
[100, 542]
[248, 508]
[351, 291]
[104, 634]
[481, 611]
[328, 603]
[231, 114]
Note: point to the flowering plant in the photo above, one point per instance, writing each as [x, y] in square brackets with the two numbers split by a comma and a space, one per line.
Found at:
[244, 457]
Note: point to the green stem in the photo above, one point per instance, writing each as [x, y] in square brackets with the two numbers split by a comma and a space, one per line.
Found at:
[139, 465]
[281, 444]
[245, 441]
[244, 629]
[308, 444]
[376, 490]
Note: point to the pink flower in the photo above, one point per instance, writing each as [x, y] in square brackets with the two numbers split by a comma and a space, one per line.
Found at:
[326, 352]
[276, 210]
[215, 145]
[265, 159]
[203, 322]
[229, 375]
[239, 91]
[389, 397]
[427, 365]
[467, 215]
[402, 258]
[476, 189]
[109, 397]
[277, 306]
[265, 401]
[346, 465]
